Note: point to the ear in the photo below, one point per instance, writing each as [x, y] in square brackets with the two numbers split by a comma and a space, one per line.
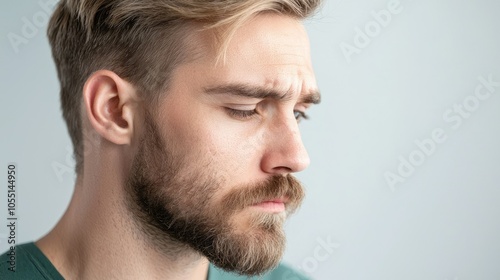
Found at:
[111, 105]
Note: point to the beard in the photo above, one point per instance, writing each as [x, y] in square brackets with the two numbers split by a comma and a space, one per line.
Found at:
[173, 202]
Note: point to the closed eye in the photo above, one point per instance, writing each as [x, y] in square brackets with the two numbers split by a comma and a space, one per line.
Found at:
[247, 114]
[241, 114]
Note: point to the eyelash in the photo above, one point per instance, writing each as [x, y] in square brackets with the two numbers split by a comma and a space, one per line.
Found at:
[246, 114]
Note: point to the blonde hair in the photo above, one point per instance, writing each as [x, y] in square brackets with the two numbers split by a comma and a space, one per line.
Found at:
[142, 41]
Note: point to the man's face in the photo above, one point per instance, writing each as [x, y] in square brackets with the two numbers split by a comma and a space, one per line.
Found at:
[213, 167]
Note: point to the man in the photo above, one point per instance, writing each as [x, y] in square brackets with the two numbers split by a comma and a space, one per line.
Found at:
[184, 120]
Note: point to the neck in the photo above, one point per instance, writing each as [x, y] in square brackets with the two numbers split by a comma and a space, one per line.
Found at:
[97, 239]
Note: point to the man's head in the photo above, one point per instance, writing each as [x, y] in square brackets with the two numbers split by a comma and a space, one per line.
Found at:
[200, 101]
[142, 42]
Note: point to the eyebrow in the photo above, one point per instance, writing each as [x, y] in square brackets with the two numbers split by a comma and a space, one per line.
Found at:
[244, 90]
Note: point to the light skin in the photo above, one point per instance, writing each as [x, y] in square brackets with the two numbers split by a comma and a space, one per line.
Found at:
[269, 58]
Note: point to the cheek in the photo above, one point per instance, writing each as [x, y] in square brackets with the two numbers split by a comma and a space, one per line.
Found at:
[209, 141]
[199, 142]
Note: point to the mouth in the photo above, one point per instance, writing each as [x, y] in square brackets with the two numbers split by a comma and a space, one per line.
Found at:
[275, 205]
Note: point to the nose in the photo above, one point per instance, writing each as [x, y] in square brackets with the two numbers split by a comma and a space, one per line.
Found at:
[285, 153]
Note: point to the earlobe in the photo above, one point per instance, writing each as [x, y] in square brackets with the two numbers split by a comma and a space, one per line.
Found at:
[110, 104]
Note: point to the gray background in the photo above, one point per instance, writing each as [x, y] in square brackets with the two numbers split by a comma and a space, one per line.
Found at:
[442, 222]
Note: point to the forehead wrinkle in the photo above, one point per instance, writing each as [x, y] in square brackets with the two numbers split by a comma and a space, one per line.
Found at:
[286, 59]
[290, 84]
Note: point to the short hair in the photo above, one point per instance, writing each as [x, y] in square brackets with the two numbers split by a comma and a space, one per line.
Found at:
[142, 41]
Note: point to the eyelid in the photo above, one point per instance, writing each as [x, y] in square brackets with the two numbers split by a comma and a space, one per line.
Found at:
[248, 114]
[242, 107]
[303, 106]
[241, 114]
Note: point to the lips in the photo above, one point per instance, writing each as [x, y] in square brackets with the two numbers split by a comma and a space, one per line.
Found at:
[283, 200]
[272, 205]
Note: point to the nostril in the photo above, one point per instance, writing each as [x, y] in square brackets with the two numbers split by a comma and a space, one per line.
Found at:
[283, 169]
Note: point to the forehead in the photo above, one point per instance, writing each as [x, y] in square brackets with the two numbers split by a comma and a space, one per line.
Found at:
[270, 51]
[270, 38]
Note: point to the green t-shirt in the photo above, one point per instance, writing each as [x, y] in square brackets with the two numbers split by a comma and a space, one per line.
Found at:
[31, 263]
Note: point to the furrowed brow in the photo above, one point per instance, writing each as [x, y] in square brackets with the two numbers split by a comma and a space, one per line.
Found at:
[244, 90]
[313, 97]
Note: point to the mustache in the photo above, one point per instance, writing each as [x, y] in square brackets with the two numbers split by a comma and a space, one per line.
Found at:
[285, 187]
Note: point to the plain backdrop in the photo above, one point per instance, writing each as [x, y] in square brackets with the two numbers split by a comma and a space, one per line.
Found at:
[410, 93]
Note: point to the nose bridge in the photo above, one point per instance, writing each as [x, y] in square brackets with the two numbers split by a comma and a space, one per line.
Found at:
[285, 146]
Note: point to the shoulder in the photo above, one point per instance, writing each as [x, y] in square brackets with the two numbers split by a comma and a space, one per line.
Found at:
[7, 262]
[26, 261]
[281, 272]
